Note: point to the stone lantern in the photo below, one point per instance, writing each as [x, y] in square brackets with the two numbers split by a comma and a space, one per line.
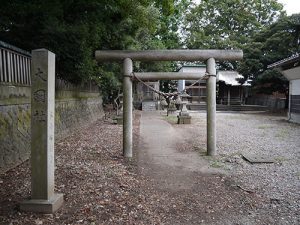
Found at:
[178, 102]
[184, 117]
[119, 117]
[163, 103]
[120, 111]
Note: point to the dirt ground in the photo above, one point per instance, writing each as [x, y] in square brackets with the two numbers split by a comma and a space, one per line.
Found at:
[170, 180]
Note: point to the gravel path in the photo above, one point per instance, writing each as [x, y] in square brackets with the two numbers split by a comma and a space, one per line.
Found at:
[100, 187]
[263, 135]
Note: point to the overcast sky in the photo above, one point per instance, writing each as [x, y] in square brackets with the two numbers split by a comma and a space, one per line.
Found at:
[290, 6]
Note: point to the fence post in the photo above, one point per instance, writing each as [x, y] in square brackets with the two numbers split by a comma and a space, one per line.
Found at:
[43, 199]
[1, 67]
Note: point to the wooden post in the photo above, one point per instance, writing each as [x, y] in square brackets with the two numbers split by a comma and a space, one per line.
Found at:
[1, 67]
[4, 66]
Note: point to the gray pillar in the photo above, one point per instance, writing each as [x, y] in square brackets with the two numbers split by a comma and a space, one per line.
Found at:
[211, 107]
[127, 108]
[290, 101]
[43, 199]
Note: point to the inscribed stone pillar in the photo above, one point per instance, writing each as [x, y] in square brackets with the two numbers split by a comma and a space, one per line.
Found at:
[43, 199]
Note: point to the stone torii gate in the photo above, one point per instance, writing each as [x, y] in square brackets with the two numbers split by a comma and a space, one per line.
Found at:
[210, 56]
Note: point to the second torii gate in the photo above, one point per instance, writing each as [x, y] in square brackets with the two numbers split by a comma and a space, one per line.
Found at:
[210, 56]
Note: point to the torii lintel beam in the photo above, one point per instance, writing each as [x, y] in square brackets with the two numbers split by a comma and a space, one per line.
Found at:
[169, 55]
[169, 76]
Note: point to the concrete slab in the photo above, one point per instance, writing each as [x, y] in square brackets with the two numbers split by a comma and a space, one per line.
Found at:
[257, 158]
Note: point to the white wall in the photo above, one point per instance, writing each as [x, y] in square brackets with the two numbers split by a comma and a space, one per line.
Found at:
[295, 118]
[181, 85]
[295, 87]
[295, 90]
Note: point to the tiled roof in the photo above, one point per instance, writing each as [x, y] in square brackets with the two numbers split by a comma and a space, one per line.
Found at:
[230, 77]
[292, 59]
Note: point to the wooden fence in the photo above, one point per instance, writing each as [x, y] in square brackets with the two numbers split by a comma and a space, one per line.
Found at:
[15, 70]
[14, 65]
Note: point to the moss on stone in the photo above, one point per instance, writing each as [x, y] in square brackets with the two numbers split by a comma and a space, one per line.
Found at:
[3, 126]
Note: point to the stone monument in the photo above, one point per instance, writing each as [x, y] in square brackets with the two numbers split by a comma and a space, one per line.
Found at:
[119, 117]
[43, 199]
[184, 117]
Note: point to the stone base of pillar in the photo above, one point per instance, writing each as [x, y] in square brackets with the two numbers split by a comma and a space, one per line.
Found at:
[184, 113]
[118, 120]
[184, 119]
[43, 206]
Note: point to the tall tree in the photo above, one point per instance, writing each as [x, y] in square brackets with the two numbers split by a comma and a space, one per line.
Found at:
[228, 24]
[75, 29]
[275, 42]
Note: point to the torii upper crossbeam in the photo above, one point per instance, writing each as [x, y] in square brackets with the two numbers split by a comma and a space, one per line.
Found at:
[169, 55]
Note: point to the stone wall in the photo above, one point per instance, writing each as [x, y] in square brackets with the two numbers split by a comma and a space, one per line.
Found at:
[273, 103]
[72, 110]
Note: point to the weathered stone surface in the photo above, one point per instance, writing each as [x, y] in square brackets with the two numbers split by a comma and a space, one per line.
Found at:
[252, 158]
[14, 135]
[43, 206]
[42, 124]
[71, 112]
[149, 105]
[118, 120]
[184, 119]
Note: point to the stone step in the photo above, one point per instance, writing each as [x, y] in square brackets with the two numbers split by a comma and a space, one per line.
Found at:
[149, 106]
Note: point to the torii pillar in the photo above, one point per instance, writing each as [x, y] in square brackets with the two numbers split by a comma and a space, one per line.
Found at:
[211, 107]
[169, 55]
[127, 110]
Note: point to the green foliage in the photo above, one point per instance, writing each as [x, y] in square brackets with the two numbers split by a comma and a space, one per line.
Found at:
[271, 81]
[228, 24]
[260, 28]
[275, 42]
[73, 30]
[109, 85]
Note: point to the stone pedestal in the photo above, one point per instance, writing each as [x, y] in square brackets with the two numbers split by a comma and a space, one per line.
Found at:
[118, 120]
[184, 119]
[43, 199]
[43, 206]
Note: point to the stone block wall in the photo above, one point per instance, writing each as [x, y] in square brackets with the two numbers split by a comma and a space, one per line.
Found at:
[14, 135]
[273, 103]
[72, 110]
